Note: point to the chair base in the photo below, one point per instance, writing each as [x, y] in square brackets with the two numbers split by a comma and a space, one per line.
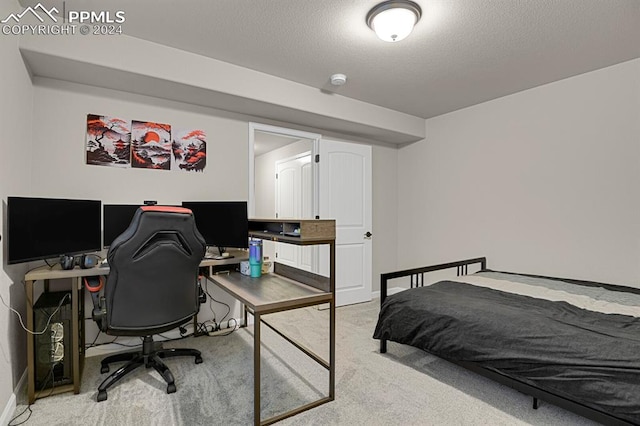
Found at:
[149, 357]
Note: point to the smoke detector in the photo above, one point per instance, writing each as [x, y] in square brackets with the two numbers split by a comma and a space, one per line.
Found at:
[338, 79]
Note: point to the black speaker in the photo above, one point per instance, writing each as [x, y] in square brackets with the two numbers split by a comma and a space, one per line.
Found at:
[67, 262]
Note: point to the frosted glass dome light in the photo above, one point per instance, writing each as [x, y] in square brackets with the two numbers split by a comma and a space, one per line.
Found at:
[394, 20]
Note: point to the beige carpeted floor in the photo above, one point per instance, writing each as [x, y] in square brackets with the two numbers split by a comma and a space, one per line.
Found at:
[403, 387]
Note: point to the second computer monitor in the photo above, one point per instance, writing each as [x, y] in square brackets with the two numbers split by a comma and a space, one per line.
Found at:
[117, 218]
[222, 223]
[45, 228]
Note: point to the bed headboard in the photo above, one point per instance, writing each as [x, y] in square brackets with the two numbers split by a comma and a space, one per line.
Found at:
[417, 274]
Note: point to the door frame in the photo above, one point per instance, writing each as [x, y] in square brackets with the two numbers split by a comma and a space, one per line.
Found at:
[282, 131]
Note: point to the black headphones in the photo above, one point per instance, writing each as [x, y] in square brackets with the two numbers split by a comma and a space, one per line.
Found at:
[87, 261]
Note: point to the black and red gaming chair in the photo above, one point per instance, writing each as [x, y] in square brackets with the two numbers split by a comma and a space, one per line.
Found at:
[152, 287]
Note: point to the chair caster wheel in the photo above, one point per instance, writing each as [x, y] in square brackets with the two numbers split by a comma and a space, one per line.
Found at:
[198, 360]
[104, 369]
[102, 396]
[171, 388]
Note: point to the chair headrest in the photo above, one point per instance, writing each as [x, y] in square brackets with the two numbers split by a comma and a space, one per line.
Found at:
[150, 221]
[166, 209]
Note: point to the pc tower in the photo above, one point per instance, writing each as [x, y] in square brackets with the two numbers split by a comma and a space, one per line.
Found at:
[53, 360]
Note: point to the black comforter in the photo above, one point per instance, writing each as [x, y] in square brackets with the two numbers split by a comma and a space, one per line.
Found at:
[589, 357]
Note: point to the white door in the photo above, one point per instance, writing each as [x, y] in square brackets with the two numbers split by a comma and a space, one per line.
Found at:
[294, 197]
[345, 195]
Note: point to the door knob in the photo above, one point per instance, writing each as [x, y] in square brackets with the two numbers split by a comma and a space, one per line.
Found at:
[368, 235]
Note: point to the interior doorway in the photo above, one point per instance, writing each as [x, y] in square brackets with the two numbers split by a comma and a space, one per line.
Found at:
[293, 194]
[341, 189]
[283, 184]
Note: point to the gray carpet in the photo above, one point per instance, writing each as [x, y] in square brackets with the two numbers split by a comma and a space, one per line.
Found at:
[403, 387]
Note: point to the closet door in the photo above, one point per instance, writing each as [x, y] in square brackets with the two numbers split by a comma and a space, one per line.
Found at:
[294, 200]
[345, 195]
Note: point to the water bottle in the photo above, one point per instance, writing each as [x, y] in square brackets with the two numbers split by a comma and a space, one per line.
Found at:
[255, 257]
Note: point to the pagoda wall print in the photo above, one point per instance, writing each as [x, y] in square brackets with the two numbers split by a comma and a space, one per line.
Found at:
[108, 141]
[118, 142]
[189, 149]
[150, 145]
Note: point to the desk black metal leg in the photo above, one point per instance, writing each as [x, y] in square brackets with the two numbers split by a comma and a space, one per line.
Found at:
[75, 332]
[332, 322]
[332, 351]
[31, 367]
[256, 369]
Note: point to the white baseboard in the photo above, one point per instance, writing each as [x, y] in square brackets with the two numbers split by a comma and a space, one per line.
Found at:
[390, 291]
[10, 407]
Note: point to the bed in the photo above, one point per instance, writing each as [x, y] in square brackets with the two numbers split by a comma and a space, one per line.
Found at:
[572, 343]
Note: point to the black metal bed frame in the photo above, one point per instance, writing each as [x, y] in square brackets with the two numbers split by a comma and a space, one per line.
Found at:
[417, 280]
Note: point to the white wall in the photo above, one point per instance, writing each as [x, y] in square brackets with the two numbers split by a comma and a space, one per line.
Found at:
[384, 163]
[544, 181]
[59, 168]
[15, 171]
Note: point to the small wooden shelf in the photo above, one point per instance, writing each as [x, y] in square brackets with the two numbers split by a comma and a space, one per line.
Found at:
[294, 231]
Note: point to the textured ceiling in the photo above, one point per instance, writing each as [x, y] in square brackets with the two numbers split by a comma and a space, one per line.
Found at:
[462, 52]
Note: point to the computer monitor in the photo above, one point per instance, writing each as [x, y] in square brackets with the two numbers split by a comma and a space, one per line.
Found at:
[222, 223]
[116, 219]
[43, 228]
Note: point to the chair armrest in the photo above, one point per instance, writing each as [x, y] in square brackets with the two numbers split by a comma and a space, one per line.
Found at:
[99, 314]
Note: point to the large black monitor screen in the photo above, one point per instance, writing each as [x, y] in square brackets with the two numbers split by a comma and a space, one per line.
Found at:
[222, 223]
[116, 218]
[42, 228]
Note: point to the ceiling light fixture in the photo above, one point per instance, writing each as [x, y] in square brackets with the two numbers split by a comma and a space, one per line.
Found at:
[394, 20]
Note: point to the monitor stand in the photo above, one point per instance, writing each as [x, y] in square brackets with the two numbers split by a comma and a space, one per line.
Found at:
[223, 254]
[220, 257]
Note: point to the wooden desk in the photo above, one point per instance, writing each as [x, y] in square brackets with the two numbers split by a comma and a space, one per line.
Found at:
[285, 289]
[46, 274]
